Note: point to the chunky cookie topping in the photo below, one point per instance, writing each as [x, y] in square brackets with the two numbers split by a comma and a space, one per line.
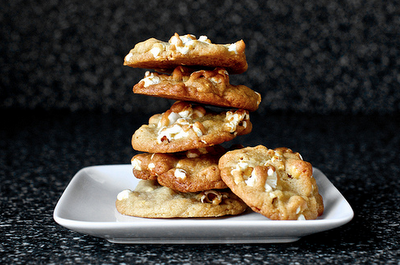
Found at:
[254, 174]
[123, 195]
[176, 122]
[235, 119]
[150, 79]
[184, 44]
[232, 48]
[136, 164]
[151, 166]
[180, 173]
[212, 196]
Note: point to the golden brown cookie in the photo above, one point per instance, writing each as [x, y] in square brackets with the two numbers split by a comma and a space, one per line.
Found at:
[187, 50]
[190, 171]
[204, 86]
[274, 182]
[155, 201]
[184, 127]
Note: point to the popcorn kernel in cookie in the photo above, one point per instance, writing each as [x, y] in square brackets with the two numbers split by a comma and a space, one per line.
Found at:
[213, 197]
[136, 163]
[180, 173]
[235, 119]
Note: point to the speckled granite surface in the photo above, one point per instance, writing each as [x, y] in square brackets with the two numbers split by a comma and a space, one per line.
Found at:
[41, 151]
[309, 56]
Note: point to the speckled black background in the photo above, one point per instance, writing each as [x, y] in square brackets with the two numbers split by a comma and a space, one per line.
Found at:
[304, 56]
[328, 72]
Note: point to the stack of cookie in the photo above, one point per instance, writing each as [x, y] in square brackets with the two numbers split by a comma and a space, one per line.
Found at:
[184, 170]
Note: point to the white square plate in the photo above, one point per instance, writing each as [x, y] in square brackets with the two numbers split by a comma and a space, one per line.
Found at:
[88, 206]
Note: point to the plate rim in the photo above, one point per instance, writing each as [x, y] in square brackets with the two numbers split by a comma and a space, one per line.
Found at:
[97, 228]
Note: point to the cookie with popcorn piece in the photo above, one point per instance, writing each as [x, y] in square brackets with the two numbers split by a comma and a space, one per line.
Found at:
[187, 50]
[190, 171]
[209, 87]
[277, 183]
[185, 126]
[151, 200]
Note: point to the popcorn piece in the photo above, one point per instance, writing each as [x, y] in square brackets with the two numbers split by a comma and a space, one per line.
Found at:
[150, 79]
[235, 119]
[176, 122]
[271, 181]
[123, 195]
[232, 48]
[151, 166]
[180, 173]
[136, 163]
[212, 196]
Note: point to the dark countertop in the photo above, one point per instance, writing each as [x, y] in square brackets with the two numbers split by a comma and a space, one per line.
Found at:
[41, 151]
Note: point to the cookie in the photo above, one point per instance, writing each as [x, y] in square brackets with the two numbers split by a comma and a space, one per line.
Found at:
[155, 201]
[190, 171]
[185, 126]
[187, 50]
[210, 87]
[274, 182]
